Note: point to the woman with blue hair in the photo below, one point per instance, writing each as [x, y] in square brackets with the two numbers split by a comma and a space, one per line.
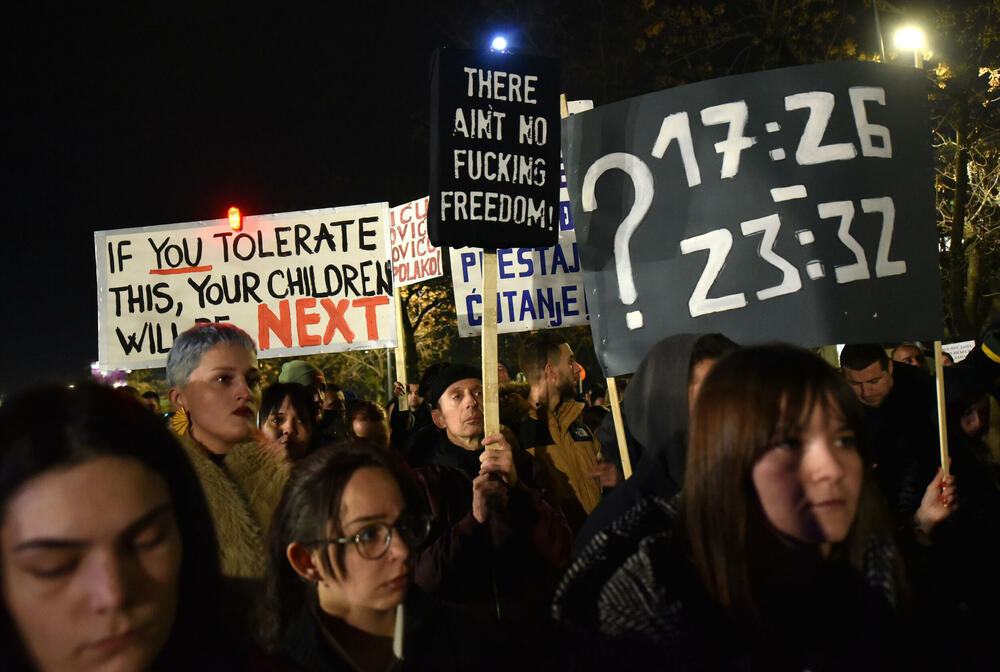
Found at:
[215, 389]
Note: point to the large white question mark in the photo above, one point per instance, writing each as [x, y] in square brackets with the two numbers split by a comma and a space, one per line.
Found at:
[642, 182]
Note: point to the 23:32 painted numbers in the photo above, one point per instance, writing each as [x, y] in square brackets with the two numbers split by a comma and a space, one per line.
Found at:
[874, 140]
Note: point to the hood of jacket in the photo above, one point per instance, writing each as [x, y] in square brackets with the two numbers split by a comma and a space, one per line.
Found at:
[656, 404]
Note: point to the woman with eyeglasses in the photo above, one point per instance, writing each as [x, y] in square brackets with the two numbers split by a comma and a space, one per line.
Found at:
[287, 421]
[342, 547]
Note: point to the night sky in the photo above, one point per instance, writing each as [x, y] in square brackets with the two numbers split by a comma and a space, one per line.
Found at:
[125, 116]
[122, 115]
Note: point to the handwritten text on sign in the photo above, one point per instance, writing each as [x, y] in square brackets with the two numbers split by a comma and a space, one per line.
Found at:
[537, 288]
[793, 204]
[298, 282]
[494, 149]
[414, 257]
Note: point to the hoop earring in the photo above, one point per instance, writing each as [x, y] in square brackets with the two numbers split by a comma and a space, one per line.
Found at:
[181, 422]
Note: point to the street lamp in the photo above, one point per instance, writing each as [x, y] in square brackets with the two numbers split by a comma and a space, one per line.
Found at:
[912, 38]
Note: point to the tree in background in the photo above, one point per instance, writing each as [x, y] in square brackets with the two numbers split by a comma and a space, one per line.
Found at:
[361, 371]
[689, 41]
[429, 322]
[965, 75]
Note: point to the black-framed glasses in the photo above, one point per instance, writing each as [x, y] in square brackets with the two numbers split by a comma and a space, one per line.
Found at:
[372, 541]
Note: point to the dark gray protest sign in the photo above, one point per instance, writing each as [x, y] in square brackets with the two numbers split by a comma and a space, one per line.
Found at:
[795, 204]
[494, 146]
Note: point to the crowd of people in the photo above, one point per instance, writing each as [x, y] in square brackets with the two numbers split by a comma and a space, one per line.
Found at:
[782, 515]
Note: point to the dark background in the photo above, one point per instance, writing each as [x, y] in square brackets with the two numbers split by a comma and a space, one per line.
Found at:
[132, 114]
[124, 116]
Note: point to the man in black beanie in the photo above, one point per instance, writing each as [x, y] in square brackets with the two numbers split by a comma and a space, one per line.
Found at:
[498, 541]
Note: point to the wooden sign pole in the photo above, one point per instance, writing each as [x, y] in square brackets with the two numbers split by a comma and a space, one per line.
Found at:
[402, 403]
[616, 413]
[491, 386]
[942, 418]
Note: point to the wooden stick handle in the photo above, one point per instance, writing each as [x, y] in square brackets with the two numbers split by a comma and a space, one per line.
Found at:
[491, 386]
[402, 403]
[942, 418]
[616, 412]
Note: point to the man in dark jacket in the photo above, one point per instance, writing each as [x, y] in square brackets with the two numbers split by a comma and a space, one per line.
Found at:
[899, 415]
[498, 542]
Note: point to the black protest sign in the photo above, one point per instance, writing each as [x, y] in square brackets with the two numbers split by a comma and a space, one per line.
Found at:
[795, 204]
[494, 175]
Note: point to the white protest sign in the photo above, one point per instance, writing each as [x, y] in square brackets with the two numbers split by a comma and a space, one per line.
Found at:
[958, 351]
[414, 257]
[298, 282]
[538, 287]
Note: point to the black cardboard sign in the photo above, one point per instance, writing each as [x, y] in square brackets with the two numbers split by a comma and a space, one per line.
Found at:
[494, 146]
[795, 205]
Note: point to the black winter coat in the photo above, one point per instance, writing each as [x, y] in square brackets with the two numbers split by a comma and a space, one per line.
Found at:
[632, 600]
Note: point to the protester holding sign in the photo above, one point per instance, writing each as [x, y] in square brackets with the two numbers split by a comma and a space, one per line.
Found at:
[769, 558]
[898, 404]
[403, 424]
[498, 540]
[961, 580]
[215, 389]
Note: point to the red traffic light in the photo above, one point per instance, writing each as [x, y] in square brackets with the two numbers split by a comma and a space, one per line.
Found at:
[235, 219]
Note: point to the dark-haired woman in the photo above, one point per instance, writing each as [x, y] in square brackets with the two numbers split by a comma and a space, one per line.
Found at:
[772, 556]
[342, 549]
[107, 554]
[286, 420]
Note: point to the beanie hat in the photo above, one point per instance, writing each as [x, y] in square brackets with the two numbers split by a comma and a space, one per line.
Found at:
[448, 375]
[301, 372]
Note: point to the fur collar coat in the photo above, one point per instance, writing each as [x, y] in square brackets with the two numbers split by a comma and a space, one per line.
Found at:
[242, 490]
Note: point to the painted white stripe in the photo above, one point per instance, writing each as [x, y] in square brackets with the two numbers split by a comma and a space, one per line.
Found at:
[779, 194]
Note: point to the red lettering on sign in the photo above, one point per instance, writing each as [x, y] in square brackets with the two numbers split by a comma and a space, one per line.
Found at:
[337, 321]
[267, 322]
[304, 319]
[369, 303]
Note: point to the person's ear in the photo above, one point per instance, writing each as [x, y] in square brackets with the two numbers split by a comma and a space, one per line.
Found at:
[438, 419]
[890, 367]
[176, 396]
[301, 560]
[550, 372]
